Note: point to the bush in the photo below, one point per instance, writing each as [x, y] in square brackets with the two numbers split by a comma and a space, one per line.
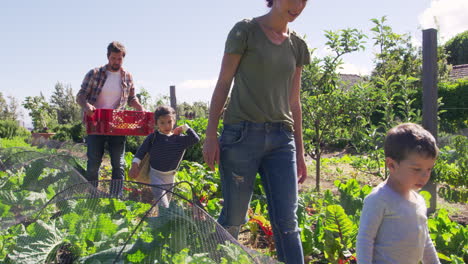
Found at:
[15, 142]
[455, 98]
[69, 132]
[10, 129]
[194, 153]
[455, 105]
[133, 143]
[457, 47]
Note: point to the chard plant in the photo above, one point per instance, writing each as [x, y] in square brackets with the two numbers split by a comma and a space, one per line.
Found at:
[340, 234]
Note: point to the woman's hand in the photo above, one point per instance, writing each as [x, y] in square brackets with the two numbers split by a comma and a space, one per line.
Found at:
[211, 152]
[301, 169]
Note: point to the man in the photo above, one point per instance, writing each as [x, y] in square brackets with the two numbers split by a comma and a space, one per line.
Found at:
[110, 87]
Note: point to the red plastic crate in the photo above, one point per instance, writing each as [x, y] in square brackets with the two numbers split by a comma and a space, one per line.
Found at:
[120, 123]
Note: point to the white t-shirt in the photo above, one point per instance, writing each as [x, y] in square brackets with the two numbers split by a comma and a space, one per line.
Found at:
[394, 230]
[111, 92]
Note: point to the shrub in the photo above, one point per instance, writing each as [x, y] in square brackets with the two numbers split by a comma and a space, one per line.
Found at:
[194, 153]
[15, 142]
[69, 132]
[133, 143]
[455, 105]
[10, 129]
[457, 47]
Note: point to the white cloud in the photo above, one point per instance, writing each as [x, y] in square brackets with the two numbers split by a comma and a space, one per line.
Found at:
[323, 51]
[348, 68]
[449, 16]
[195, 90]
[416, 40]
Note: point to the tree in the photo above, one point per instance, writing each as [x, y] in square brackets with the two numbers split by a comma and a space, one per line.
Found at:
[9, 110]
[145, 99]
[325, 106]
[63, 102]
[200, 109]
[192, 111]
[43, 114]
[457, 49]
[398, 55]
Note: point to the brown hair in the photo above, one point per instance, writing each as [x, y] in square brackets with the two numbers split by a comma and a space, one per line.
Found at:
[269, 3]
[409, 138]
[162, 111]
[115, 46]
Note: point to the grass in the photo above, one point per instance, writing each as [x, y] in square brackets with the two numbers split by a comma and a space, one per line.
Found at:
[15, 142]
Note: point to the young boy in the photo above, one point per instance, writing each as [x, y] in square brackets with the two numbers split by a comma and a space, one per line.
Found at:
[393, 226]
[166, 148]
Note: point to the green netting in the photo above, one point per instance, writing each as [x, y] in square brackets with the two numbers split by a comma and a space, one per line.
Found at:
[51, 214]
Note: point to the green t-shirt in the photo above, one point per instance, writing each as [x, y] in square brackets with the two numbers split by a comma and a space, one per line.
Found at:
[263, 80]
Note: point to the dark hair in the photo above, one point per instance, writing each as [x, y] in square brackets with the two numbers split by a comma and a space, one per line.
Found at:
[115, 46]
[269, 3]
[162, 111]
[409, 138]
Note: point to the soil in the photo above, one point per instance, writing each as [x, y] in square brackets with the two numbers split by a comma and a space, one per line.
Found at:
[64, 255]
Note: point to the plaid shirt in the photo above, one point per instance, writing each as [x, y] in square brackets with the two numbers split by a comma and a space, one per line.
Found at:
[94, 81]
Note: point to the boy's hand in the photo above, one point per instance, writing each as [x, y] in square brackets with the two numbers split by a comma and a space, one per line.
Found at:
[134, 171]
[178, 130]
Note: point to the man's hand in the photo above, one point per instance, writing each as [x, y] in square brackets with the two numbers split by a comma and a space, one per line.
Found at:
[136, 105]
[89, 109]
[139, 107]
[211, 152]
[134, 171]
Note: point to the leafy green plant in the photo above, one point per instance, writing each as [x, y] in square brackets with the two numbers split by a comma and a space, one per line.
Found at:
[199, 124]
[451, 170]
[15, 142]
[37, 243]
[259, 225]
[340, 234]
[450, 238]
[205, 183]
[310, 215]
[352, 195]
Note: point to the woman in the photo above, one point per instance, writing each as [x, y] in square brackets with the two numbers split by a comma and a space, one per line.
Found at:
[262, 123]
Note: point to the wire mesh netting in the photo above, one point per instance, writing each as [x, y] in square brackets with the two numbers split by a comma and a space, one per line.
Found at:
[51, 214]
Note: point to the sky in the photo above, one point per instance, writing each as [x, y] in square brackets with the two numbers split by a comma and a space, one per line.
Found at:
[180, 43]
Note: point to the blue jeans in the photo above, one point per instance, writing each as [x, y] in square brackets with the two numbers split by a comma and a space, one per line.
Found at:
[269, 149]
[116, 147]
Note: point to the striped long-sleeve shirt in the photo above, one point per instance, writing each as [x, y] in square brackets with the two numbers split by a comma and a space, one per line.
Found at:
[166, 151]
